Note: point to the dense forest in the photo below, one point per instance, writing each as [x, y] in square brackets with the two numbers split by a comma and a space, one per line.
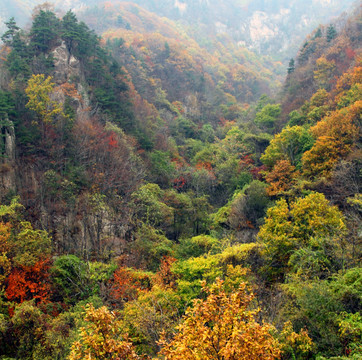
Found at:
[167, 197]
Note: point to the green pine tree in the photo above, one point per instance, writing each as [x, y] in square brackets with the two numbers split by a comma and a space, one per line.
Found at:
[291, 66]
[331, 33]
[8, 36]
[44, 32]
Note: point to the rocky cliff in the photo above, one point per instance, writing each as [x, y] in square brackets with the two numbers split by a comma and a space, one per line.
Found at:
[7, 158]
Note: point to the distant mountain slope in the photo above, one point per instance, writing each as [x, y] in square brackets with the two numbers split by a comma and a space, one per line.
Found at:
[274, 27]
[269, 27]
[324, 56]
[168, 53]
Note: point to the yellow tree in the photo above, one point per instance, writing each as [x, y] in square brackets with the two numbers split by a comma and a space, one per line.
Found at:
[9, 211]
[222, 327]
[101, 338]
[324, 72]
[5, 264]
[39, 92]
[309, 223]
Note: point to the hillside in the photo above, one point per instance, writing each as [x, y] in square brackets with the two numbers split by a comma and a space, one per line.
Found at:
[175, 58]
[325, 55]
[156, 189]
[272, 28]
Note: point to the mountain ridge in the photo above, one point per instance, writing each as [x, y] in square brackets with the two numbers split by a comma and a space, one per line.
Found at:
[266, 28]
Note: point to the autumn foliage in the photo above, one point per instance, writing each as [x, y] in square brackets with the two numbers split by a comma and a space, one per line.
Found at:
[281, 178]
[336, 136]
[222, 327]
[101, 338]
[152, 163]
[29, 282]
[127, 284]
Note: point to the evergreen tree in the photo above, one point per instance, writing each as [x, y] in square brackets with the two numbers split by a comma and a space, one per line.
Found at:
[70, 33]
[331, 33]
[291, 66]
[44, 31]
[167, 50]
[8, 36]
[89, 42]
[6, 104]
[80, 40]
[18, 60]
[318, 33]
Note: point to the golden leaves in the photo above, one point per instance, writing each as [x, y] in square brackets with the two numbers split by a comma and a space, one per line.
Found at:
[222, 327]
[39, 92]
[101, 338]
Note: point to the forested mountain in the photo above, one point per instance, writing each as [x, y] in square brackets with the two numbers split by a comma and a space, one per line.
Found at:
[156, 189]
[274, 28]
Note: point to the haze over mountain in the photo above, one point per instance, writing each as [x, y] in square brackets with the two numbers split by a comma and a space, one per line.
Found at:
[268, 27]
[273, 28]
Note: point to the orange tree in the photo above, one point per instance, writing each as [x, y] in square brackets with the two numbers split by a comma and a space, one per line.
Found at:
[24, 257]
[222, 327]
[337, 135]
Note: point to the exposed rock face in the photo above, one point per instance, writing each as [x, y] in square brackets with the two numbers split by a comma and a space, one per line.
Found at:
[192, 106]
[80, 230]
[67, 67]
[7, 158]
[73, 221]
[261, 28]
[9, 141]
[85, 104]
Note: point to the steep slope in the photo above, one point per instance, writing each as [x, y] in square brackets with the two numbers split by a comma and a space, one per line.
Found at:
[325, 55]
[61, 134]
[159, 42]
[269, 27]
[105, 125]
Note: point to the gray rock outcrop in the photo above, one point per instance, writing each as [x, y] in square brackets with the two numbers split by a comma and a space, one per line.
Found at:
[7, 157]
[67, 67]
